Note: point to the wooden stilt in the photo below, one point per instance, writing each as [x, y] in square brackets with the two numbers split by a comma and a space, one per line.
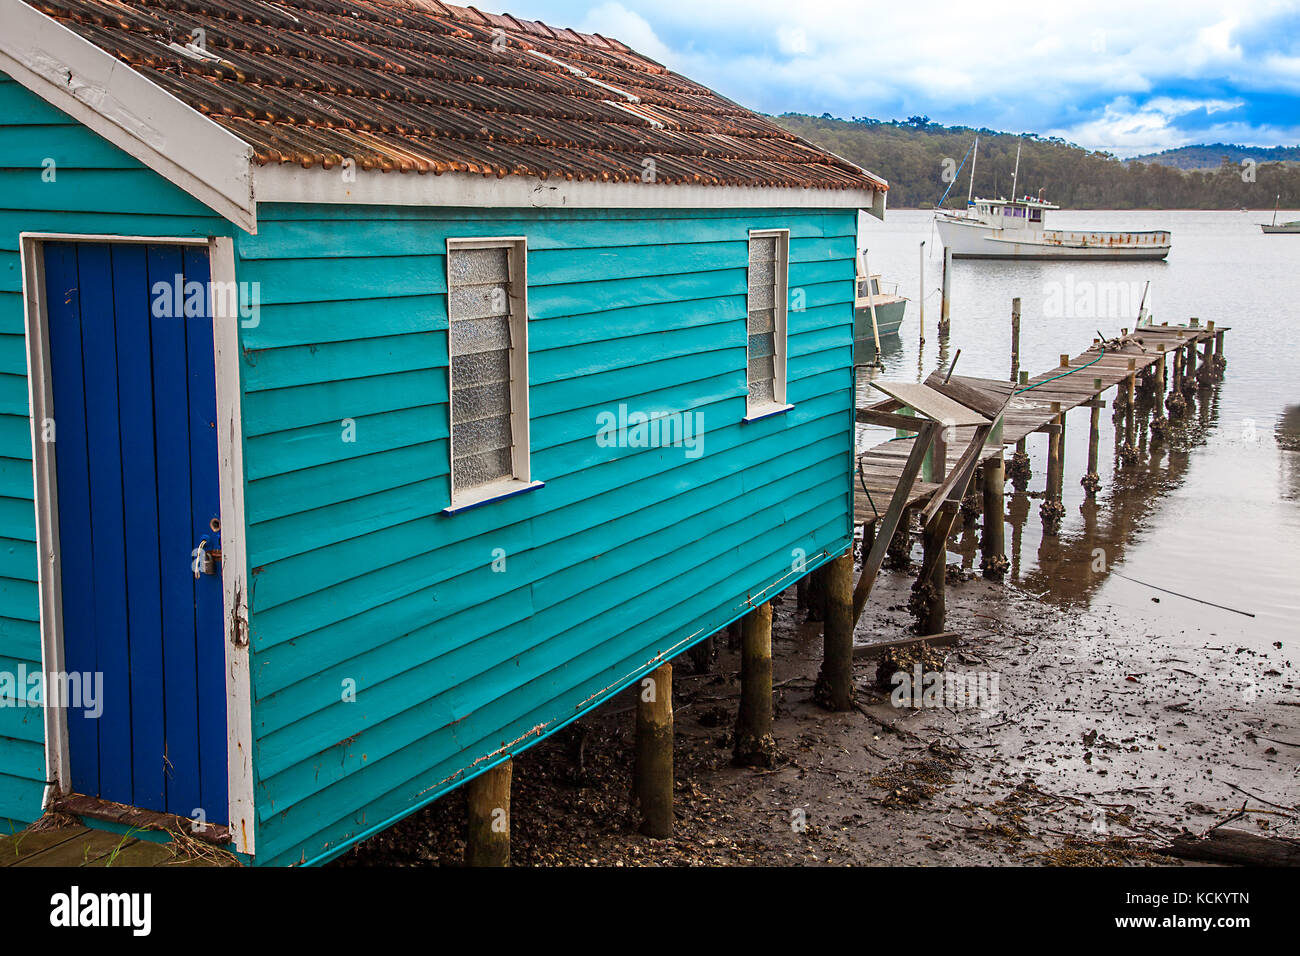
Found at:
[993, 536]
[654, 752]
[1060, 457]
[1130, 414]
[935, 540]
[1091, 479]
[834, 689]
[1053, 453]
[1052, 511]
[701, 655]
[945, 319]
[1015, 338]
[754, 745]
[488, 798]
[817, 594]
[1160, 376]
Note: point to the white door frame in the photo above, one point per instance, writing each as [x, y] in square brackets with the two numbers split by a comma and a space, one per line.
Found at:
[230, 458]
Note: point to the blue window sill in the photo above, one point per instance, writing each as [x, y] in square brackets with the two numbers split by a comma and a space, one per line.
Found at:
[767, 411]
[497, 491]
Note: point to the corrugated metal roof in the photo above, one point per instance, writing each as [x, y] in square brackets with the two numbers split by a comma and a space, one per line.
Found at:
[418, 85]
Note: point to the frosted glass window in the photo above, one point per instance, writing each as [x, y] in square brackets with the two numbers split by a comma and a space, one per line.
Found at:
[488, 364]
[766, 320]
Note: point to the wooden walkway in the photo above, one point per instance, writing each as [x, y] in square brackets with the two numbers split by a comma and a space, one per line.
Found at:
[74, 846]
[1081, 381]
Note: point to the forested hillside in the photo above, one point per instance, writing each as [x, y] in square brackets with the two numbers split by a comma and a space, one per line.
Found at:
[1211, 156]
[919, 158]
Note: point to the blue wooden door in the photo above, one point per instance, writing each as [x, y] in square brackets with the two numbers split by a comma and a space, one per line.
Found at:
[135, 448]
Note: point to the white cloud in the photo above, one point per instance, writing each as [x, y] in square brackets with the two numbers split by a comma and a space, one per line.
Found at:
[1126, 128]
[617, 22]
[792, 41]
[1020, 65]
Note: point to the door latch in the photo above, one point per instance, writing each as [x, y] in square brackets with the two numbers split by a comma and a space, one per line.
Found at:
[206, 561]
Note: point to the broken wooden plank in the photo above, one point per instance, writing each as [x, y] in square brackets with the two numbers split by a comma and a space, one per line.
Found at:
[930, 403]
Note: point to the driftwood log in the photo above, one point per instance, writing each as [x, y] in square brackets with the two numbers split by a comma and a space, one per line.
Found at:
[1231, 845]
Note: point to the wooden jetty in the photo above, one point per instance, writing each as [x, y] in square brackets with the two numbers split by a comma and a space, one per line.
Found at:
[958, 421]
[1036, 403]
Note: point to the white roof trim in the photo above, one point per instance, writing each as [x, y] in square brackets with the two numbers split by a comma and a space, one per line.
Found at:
[131, 112]
[294, 184]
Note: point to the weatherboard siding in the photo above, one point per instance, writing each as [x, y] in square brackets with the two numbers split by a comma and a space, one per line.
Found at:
[356, 574]
[359, 580]
[95, 189]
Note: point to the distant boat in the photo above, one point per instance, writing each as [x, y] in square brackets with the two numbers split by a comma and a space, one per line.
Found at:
[889, 306]
[1013, 229]
[1284, 227]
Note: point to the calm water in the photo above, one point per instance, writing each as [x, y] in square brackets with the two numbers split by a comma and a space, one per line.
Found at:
[1214, 511]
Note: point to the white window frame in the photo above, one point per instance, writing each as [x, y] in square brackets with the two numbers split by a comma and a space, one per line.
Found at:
[779, 323]
[521, 478]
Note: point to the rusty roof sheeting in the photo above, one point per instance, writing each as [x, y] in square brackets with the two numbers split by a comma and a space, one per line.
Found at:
[418, 85]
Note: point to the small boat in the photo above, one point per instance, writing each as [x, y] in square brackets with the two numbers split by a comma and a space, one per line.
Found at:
[889, 306]
[1014, 229]
[1278, 228]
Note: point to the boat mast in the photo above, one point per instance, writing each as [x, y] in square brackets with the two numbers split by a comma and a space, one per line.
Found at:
[1275, 205]
[970, 190]
[1015, 174]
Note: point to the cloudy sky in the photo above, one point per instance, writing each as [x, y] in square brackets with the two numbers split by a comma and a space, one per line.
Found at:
[1128, 76]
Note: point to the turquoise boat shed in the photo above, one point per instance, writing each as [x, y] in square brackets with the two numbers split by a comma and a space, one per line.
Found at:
[384, 385]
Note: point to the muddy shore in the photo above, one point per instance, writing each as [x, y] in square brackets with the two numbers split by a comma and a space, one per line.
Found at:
[1089, 741]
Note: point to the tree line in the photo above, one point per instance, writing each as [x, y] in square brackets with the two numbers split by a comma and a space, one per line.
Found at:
[921, 160]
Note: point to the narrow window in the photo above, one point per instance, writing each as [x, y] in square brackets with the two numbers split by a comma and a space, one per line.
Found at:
[769, 255]
[487, 343]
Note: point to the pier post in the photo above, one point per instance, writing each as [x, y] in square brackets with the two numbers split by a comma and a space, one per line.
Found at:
[653, 773]
[920, 301]
[1015, 338]
[755, 746]
[834, 687]
[1160, 375]
[945, 320]
[1175, 404]
[1091, 480]
[993, 561]
[1130, 409]
[1190, 374]
[1020, 472]
[935, 541]
[1052, 511]
[487, 796]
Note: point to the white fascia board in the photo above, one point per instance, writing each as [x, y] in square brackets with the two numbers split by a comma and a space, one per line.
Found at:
[131, 112]
[289, 183]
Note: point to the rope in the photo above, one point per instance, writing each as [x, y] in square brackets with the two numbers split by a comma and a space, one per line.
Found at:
[862, 480]
[1155, 587]
[955, 176]
[1063, 374]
